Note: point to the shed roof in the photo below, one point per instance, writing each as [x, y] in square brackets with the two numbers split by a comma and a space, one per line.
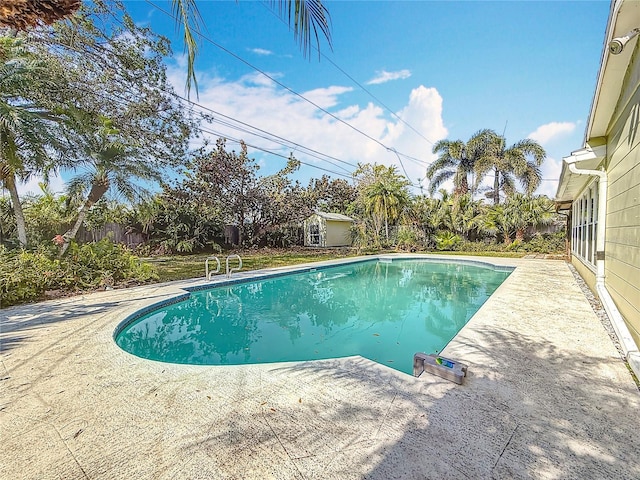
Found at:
[337, 217]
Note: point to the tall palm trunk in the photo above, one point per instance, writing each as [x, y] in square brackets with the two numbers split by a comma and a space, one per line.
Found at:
[98, 189]
[496, 188]
[21, 226]
[386, 219]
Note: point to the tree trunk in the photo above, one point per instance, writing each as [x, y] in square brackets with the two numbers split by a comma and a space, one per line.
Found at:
[21, 226]
[496, 188]
[98, 189]
[520, 234]
[386, 219]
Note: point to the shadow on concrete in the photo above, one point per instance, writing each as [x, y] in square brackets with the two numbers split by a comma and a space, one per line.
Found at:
[538, 412]
[17, 322]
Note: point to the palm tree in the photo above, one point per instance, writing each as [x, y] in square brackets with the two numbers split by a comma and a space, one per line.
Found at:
[23, 14]
[521, 162]
[386, 196]
[112, 164]
[454, 163]
[517, 214]
[25, 128]
[523, 211]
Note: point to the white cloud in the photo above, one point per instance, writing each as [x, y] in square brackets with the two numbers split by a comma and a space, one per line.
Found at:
[32, 186]
[551, 169]
[261, 51]
[384, 76]
[267, 106]
[551, 131]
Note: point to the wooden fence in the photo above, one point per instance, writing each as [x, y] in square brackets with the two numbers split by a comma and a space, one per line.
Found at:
[116, 233]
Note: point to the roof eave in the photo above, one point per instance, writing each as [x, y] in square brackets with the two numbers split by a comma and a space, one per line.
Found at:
[570, 184]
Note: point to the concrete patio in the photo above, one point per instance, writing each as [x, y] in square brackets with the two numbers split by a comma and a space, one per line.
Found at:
[547, 396]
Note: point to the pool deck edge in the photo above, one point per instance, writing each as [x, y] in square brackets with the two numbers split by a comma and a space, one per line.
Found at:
[546, 396]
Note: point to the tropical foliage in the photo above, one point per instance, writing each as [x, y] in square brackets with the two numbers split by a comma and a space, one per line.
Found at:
[519, 162]
[486, 155]
[95, 104]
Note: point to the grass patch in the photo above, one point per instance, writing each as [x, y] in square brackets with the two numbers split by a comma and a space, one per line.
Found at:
[184, 267]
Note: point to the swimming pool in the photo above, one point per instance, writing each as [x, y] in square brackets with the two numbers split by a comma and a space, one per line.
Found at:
[382, 309]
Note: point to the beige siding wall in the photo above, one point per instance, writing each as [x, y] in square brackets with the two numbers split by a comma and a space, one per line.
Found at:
[338, 234]
[586, 273]
[622, 244]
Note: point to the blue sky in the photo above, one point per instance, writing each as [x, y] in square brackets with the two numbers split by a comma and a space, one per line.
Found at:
[448, 69]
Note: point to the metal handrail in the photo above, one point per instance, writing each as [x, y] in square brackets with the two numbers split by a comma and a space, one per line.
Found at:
[209, 274]
[231, 270]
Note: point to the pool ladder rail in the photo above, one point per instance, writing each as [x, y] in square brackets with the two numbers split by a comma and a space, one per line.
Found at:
[210, 273]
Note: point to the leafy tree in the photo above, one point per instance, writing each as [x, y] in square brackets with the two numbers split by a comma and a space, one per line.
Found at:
[258, 206]
[25, 127]
[113, 69]
[176, 221]
[520, 162]
[383, 194]
[307, 17]
[122, 120]
[45, 213]
[281, 205]
[106, 211]
[427, 214]
[228, 181]
[455, 161]
[334, 196]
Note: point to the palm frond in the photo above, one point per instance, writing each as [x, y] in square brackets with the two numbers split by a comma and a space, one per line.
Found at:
[186, 11]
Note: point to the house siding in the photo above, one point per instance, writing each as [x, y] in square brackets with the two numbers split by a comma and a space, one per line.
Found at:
[338, 234]
[585, 272]
[622, 244]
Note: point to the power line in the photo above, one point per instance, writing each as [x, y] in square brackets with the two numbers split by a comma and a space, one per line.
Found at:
[237, 57]
[202, 129]
[362, 87]
[270, 137]
[267, 135]
[287, 142]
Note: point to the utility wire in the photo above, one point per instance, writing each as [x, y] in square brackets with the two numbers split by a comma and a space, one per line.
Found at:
[202, 129]
[280, 140]
[267, 135]
[262, 72]
[362, 87]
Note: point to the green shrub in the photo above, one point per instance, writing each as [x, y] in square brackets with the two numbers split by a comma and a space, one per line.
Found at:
[446, 240]
[480, 247]
[103, 263]
[410, 238]
[26, 275]
[546, 243]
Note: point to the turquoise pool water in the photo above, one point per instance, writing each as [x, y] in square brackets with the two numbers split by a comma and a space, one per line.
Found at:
[383, 310]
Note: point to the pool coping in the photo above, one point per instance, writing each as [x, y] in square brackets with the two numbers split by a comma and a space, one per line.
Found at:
[547, 396]
[275, 272]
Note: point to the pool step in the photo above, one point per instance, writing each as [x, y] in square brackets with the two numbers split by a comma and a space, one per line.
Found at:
[440, 366]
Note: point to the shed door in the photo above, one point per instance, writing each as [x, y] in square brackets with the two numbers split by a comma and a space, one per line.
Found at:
[314, 234]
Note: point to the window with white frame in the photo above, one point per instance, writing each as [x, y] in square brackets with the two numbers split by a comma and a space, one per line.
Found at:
[584, 224]
[314, 234]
